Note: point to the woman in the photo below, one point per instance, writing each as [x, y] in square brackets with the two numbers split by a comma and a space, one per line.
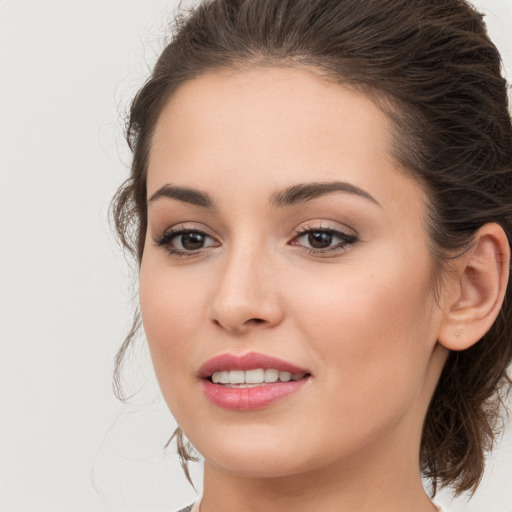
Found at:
[320, 204]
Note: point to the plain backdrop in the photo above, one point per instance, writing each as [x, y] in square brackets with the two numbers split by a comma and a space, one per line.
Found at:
[68, 70]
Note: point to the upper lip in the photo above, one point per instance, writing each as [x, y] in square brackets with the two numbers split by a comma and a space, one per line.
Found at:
[249, 361]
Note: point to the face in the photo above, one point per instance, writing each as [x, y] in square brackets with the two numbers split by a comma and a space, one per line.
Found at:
[284, 239]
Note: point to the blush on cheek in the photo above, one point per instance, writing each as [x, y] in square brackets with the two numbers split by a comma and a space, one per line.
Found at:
[377, 325]
[171, 314]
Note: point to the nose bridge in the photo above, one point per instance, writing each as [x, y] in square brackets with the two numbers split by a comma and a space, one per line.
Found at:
[246, 293]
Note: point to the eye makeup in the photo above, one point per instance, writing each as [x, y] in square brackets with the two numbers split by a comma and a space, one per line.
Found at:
[185, 241]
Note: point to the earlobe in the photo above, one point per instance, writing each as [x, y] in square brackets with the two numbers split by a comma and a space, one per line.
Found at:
[475, 294]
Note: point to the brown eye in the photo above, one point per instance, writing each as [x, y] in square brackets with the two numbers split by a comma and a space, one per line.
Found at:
[185, 242]
[319, 239]
[192, 241]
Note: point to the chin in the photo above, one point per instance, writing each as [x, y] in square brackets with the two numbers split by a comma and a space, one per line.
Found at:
[266, 465]
[258, 452]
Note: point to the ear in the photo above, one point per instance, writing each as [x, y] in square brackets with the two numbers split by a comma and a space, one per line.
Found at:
[473, 294]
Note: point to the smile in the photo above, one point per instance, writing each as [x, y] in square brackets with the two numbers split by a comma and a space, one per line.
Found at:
[252, 378]
[250, 381]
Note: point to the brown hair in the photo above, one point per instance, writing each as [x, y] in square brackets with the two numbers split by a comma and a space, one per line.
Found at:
[439, 75]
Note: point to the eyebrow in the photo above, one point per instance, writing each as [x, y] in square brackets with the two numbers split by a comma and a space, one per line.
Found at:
[290, 196]
[306, 192]
[186, 195]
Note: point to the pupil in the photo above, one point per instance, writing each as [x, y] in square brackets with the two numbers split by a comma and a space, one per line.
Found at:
[192, 241]
[319, 240]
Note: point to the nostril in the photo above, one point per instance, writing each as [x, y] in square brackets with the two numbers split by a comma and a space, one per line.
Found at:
[240, 328]
[251, 320]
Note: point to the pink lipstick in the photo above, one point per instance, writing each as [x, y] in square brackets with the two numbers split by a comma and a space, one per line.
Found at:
[251, 381]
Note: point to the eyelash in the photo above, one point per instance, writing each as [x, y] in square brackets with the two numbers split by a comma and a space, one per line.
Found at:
[347, 240]
[166, 239]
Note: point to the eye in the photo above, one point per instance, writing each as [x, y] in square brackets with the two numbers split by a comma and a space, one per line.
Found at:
[185, 242]
[322, 240]
[319, 239]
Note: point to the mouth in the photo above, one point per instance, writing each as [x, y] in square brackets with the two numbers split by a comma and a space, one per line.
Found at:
[253, 378]
[251, 381]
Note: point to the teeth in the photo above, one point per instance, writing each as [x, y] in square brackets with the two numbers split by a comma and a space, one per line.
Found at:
[253, 377]
[271, 375]
[285, 376]
[221, 377]
[236, 377]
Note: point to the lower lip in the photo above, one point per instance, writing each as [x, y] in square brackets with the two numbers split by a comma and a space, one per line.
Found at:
[248, 399]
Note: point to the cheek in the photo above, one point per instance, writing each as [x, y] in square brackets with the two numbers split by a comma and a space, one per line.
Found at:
[371, 333]
[373, 327]
[171, 308]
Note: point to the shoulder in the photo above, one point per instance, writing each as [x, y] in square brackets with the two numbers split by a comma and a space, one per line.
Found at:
[191, 508]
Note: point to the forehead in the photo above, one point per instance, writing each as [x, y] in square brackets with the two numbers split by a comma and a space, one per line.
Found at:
[267, 128]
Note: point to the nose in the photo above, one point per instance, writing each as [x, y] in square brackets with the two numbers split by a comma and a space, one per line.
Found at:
[247, 294]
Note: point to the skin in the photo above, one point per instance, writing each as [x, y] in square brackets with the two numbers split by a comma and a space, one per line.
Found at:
[362, 318]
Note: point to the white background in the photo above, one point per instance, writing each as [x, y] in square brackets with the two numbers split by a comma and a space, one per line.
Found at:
[68, 70]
